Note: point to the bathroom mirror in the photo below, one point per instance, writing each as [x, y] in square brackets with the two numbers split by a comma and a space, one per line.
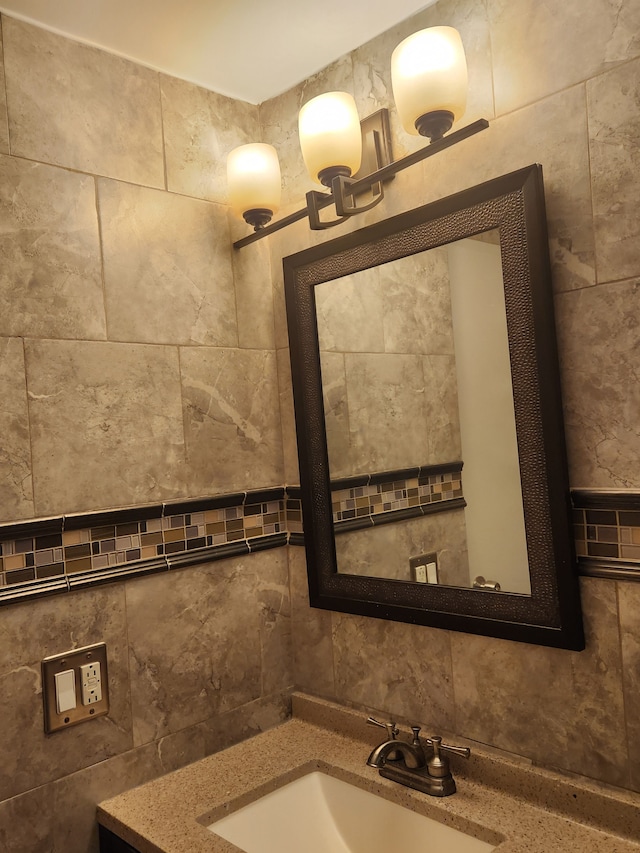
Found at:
[429, 419]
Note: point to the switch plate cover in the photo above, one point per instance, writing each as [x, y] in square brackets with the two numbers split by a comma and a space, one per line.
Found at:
[93, 657]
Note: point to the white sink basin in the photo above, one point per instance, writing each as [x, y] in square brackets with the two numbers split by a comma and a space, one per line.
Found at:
[320, 814]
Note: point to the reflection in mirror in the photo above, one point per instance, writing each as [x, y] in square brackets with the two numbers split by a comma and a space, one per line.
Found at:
[416, 374]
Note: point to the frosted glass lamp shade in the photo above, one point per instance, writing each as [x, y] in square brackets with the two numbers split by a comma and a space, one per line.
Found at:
[253, 182]
[429, 79]
[330, 136]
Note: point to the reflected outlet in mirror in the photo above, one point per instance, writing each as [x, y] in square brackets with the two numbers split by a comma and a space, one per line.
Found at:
[321, 814]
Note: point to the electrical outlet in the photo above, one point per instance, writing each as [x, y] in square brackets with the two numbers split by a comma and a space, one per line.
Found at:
[90, 683]
[75, 687]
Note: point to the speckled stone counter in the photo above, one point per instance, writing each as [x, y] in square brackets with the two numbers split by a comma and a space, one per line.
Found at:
[506, 802]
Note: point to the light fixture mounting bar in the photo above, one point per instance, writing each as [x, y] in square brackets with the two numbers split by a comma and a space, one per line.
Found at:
[382, 174]
[386, 172]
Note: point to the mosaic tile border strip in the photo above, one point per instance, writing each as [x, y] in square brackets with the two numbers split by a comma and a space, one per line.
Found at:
[606, 529]
[57, 554]
[387, 496]
[53, 555]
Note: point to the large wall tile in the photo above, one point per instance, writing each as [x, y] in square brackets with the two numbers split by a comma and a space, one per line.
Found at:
[194, 645]
[384, 437]
[106, 424]
[50, 273]
[560, 708]
[27, 822]
[313, 667]
[595, 740]
[554, 134]
[629, 603]
[540, 48]
[246, 721]
[30, 632]
[416, 311]
[600, 360]
[75, 828]
[395, 667]
[254, 296]
[232, 420]
[342, 461]
[4, 126]
[614, 105]
[287, 418]
[508, 693]
[76, 106]
[167, 266]
[283, 243]
[16, 485]
[200, 128]
[274, 608]
[350, 314]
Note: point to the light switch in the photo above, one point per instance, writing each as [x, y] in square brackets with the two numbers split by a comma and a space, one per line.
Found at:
[65, 690]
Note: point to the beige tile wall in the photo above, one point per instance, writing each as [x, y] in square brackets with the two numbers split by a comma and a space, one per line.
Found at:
[137, 364]
[196, 662]
[566, 81]
[140, 327]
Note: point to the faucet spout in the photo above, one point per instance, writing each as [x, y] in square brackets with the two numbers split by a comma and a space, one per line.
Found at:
[413, 754]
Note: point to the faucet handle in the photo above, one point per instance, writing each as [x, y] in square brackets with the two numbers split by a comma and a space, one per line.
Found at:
[464, 751]
[438, 746]
[392, 731]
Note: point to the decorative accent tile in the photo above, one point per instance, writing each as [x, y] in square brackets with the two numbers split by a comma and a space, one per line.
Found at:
[372, 496]
[127, 540]
[58, 554]
[607, 532]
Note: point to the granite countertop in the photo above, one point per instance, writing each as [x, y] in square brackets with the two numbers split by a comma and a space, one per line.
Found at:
[504, 801]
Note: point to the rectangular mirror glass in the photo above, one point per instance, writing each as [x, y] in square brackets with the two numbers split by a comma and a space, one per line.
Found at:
[415, 370]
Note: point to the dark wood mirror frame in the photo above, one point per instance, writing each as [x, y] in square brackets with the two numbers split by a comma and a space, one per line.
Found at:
[551, 615]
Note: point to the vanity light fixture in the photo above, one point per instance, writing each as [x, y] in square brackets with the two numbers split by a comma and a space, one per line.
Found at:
[353, 158]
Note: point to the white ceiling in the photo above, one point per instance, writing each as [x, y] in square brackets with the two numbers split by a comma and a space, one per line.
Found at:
[247, 49]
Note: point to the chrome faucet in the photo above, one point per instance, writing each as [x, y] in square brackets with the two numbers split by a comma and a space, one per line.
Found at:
[408, 764]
